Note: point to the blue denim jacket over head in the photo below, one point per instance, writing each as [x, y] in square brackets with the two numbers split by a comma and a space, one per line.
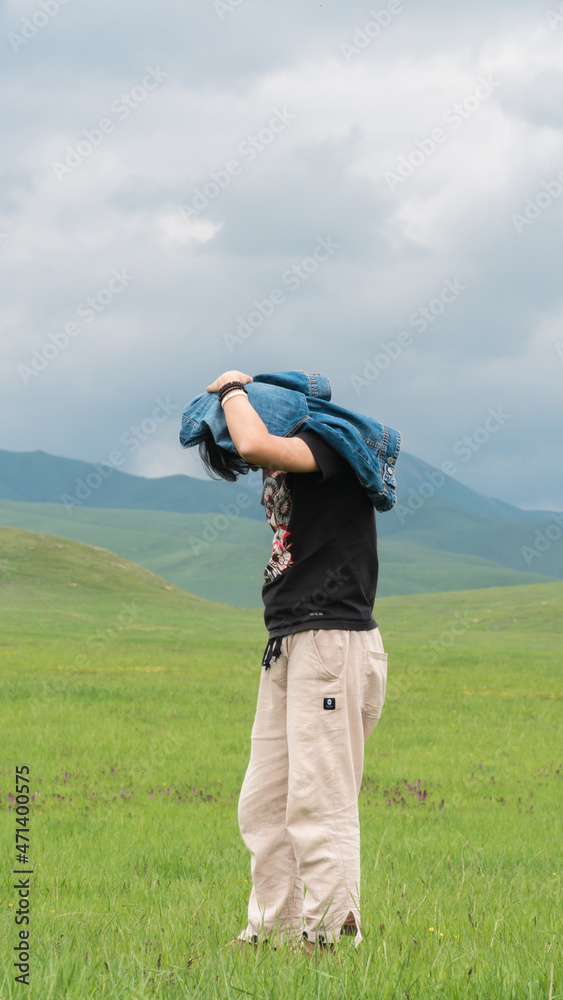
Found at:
[289, 401]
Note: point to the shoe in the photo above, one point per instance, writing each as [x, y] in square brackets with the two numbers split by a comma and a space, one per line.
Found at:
[309, 948]
[242, 945]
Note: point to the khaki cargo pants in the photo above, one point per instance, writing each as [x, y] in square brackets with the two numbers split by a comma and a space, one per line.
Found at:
[298, 809]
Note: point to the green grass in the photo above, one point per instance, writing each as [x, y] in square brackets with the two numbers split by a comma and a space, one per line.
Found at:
[226, 563]
[132, 701]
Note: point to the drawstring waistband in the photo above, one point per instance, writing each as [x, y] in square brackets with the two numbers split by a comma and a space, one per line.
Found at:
[273, 648]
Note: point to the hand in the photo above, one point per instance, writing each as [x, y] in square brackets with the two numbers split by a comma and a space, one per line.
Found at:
[228, 377]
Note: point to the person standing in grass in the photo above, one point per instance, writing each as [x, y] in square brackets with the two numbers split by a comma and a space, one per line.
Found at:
[323, 683]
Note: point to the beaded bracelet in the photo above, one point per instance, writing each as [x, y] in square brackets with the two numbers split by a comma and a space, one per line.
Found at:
[228, 386]
[232, 392]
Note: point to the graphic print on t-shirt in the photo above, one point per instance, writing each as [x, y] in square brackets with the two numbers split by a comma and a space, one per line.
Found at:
[277, 503]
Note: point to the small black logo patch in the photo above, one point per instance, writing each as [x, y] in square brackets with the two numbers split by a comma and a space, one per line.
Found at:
[329, 703]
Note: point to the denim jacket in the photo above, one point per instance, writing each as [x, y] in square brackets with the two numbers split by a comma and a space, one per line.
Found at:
[286, 401]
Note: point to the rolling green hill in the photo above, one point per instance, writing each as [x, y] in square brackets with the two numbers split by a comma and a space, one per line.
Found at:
[130, 702]
[227, 565]
[50, 584]
[62, 586]
[211, 539]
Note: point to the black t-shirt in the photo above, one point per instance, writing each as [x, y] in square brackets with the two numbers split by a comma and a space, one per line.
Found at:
[323, 569]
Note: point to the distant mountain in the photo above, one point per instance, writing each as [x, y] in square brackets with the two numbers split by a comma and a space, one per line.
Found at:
[415, 476]
[37, 477]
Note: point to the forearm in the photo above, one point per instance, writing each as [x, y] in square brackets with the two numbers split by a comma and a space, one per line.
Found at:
[247, 429]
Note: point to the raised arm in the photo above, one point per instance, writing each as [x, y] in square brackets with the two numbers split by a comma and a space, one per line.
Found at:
[252, 438]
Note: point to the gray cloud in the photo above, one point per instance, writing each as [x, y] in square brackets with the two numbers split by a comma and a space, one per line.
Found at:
[451, 219]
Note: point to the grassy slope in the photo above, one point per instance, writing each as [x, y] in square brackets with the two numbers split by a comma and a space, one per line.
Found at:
[137, 752]
[441, 524]
[228, 564]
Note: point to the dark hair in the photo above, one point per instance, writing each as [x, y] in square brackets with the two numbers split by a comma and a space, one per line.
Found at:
[220, 463]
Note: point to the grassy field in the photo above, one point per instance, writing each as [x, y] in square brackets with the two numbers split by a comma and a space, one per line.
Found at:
[131, 702]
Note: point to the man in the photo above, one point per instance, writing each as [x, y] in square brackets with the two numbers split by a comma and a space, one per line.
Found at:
[322, 687]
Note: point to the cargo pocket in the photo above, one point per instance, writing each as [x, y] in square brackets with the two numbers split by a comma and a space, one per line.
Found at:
[374, 682]
[329, 652]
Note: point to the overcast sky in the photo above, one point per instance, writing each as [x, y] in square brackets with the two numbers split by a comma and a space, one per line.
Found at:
[369, 191]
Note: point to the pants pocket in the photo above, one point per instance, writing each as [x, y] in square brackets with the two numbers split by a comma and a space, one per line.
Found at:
[374, 682]
[329, 652]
